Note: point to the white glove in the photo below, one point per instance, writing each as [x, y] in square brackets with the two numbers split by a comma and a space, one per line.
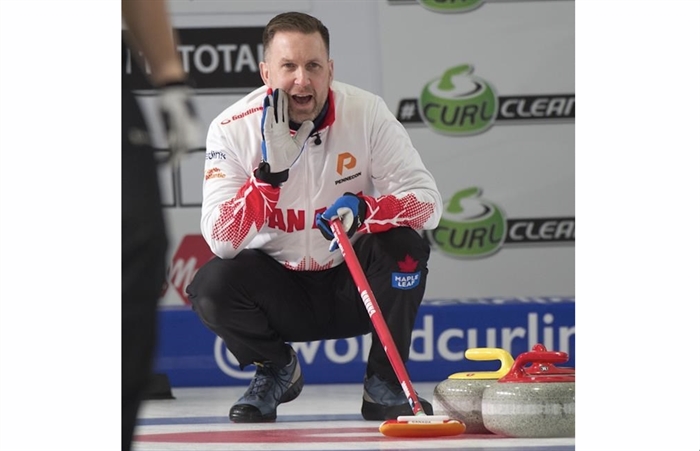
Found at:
[279, 149]
[182, 124]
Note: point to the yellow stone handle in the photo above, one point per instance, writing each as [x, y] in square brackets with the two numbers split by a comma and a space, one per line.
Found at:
[482, 354]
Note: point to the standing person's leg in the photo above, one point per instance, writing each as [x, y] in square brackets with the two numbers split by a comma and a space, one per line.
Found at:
[396, 266]
[144, 246]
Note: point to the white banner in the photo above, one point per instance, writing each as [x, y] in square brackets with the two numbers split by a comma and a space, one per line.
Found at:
[486, 90]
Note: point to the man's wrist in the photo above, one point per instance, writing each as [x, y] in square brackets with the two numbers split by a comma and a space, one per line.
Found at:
[275, 179]
[168, 73]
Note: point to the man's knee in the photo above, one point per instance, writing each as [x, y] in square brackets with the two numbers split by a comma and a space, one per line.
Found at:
[395, 244]
[207, 291]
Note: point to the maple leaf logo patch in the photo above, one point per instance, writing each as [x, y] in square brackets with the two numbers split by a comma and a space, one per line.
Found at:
[408, 278]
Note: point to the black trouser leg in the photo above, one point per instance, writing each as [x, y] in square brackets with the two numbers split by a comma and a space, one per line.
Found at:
[255, 305]
[396, 267]
[242, 301]
[144, 246]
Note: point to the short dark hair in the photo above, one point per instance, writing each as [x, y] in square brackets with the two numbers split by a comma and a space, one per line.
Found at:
[294, 21]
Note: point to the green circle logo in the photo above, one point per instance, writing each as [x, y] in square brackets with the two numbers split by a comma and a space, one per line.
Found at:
[458, 103]
[469, 227]
[450, 6]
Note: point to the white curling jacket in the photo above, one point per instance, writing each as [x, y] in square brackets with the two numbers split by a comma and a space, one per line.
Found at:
[363, 149]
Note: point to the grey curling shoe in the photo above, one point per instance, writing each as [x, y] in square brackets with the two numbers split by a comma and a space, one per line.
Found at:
[383, 400]
[270, 387]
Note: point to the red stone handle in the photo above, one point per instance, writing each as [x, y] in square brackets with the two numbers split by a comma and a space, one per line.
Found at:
[544, 362]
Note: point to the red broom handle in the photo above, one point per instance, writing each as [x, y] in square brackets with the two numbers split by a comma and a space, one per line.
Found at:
[375, 314]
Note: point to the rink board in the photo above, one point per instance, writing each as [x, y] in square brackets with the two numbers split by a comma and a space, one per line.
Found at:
[191, 355]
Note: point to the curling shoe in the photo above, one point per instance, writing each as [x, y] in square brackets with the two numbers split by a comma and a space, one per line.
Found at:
[383, 400]
[270, 387]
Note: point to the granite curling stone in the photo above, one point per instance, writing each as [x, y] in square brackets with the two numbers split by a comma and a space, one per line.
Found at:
[533, 402]
[459, 396]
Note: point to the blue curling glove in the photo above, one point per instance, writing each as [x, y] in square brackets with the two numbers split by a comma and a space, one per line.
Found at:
[351, 210]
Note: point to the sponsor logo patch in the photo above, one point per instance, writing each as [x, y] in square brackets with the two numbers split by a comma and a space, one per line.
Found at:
[408, 278]
[214, 173]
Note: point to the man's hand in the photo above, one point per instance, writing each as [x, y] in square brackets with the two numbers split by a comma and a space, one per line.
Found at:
[182, 124]
[279, 149]
[351, 210]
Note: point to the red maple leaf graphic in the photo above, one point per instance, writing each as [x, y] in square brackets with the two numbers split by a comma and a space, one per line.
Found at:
[408, 264]
[249, 209]
[390, 211]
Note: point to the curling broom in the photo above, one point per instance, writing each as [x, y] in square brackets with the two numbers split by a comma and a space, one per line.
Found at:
[420, 424]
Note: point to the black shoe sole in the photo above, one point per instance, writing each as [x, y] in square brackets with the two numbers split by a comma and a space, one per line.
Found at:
[251, 414]
[380, 412]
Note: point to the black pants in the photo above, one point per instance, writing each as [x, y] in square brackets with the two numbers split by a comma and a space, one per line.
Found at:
[256, 304]
[144, 245]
